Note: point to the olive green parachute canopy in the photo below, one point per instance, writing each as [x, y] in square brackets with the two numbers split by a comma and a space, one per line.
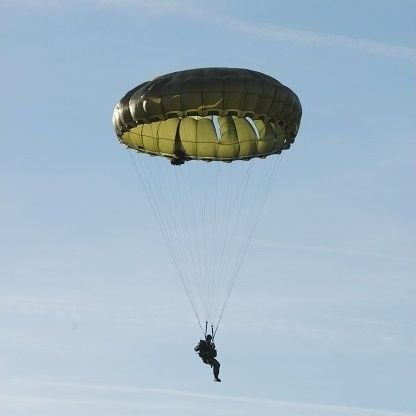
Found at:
[209, 114]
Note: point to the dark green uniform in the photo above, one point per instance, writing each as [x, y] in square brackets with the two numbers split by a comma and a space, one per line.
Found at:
[206, 350]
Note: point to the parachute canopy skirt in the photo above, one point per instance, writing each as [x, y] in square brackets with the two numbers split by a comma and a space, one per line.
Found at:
[209, 114]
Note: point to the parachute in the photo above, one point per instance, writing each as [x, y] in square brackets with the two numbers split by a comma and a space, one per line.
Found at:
[232, 118]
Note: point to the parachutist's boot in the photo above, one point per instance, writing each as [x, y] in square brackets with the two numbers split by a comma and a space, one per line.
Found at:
[217, 379]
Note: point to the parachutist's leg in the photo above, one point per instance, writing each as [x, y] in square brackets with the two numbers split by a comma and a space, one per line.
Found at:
[215, 367]
[216, 370]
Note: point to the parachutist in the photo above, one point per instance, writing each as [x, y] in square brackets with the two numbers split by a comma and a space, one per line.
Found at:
[206, 350]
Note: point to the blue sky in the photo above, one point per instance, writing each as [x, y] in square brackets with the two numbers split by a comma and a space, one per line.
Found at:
[94, 320]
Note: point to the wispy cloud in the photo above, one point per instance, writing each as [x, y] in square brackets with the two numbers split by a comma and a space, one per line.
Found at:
[303, 37]
[156, 6]
[27, 392]
[278, 33]
[284, 316]
[92, 310]
[347, 251]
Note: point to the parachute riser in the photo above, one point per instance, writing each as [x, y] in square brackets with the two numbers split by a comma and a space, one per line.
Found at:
[213, 332]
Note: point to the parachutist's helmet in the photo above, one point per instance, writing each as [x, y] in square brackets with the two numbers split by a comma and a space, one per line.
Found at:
[208, 338]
